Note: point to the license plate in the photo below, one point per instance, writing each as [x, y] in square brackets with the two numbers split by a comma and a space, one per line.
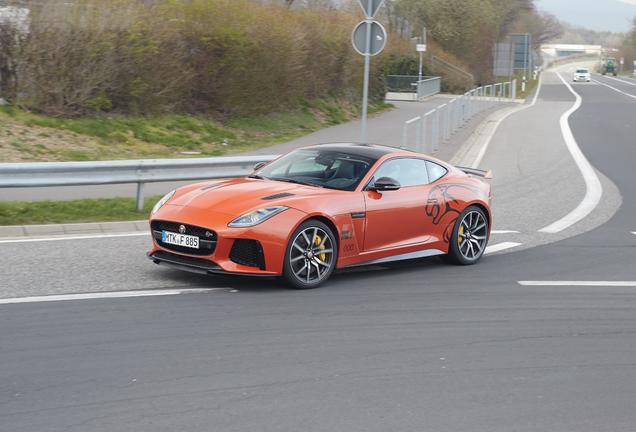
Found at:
[180, 239]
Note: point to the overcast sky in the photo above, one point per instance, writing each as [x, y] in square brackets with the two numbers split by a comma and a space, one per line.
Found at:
[612, 15]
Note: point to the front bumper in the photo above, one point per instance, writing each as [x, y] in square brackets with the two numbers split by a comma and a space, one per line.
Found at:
[271, 236]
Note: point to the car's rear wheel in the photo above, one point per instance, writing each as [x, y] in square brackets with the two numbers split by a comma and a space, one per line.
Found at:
[311, 255]
[470, 237]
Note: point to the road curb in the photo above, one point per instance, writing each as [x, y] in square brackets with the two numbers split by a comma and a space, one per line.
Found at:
[18, 231]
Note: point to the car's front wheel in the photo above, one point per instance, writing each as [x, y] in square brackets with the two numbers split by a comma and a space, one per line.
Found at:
[310, 257]
[470, 237]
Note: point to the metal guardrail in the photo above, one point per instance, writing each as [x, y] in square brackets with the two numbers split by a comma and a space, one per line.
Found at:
[428, 87]
[437, 126]
[46, 174]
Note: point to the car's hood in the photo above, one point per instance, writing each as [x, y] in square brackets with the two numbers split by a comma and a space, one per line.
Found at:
[238, 196]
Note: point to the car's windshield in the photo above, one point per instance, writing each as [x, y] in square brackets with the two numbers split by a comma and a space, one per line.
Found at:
[321, 168]
[581, 71]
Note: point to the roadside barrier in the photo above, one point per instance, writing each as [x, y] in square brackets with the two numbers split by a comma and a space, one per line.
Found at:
[426, 133]
[47, 174]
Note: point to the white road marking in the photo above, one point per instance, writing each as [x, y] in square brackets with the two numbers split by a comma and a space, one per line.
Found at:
[616, 90]
[579, 283]
[504, 232]
[593, 188]
[482, 151]
[75, 237]
[621, 80]
[500, 247]
[107, 295]
[634, 232]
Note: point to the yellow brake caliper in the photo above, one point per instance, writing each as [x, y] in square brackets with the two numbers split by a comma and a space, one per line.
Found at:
[318, 242]
[460, 235]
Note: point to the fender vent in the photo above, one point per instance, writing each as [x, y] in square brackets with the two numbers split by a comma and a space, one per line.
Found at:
[276, 196]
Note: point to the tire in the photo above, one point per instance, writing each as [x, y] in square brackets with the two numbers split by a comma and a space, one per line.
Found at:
[470, 237]
[310, 256]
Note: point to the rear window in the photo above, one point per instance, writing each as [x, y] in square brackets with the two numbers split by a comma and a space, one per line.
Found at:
[581, 70]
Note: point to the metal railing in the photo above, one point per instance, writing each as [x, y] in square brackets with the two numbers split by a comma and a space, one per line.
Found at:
[428, 86]
[46, 174]
[427, 132]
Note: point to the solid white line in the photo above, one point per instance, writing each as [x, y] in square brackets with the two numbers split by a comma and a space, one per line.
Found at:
[107, 295]
[501, 246]
[593, 188]
[504, 232]
[482, 151]
[616, 90]
[75, 237]
[579, 283]
[621, 80]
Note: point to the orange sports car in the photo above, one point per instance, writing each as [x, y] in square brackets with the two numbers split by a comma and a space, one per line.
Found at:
[325, 207]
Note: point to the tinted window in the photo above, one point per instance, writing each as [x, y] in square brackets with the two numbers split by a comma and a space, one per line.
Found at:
[435, 171]
[322, 168]
[408, 172]
[581, 71]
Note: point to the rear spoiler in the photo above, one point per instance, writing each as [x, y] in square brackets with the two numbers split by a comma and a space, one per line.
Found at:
[477, 172]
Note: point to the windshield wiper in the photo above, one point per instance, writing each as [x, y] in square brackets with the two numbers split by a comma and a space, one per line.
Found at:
[300, 182]
[256, 176]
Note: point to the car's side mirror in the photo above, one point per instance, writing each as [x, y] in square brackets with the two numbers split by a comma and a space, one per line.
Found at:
[385, 184]
[259, 165]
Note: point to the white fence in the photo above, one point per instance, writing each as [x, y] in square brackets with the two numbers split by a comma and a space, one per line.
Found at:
[427, 132]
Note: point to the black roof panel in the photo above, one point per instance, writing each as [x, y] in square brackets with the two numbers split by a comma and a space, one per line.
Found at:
[372, 151]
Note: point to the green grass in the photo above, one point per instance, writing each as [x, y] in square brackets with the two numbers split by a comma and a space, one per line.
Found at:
[76, 211]
[116, 137]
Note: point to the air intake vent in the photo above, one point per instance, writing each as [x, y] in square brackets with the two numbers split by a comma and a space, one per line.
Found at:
[276, 196]
[248, 253]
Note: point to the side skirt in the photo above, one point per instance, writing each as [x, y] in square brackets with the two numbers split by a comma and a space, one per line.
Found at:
[400, 257]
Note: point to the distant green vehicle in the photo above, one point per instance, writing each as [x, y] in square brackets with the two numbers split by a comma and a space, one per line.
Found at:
[609, 66]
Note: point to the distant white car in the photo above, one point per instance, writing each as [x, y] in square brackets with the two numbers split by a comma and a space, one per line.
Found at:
[582, 75]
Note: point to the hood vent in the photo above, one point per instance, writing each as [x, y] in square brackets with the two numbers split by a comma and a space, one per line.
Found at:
[276, 196]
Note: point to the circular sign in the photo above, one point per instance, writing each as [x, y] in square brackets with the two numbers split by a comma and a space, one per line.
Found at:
[377, 38]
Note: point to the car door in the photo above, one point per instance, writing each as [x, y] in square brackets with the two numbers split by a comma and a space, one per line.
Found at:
[397, 218]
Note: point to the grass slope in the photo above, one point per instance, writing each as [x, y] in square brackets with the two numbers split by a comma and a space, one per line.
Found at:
[25, 136]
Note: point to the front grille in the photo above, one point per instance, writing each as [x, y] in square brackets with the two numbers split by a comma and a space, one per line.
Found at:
[248, 253]
[207, 237]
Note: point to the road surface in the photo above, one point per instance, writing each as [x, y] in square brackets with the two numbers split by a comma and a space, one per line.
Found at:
[541, 339]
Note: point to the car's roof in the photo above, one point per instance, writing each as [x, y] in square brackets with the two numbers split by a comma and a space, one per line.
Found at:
[372, 151]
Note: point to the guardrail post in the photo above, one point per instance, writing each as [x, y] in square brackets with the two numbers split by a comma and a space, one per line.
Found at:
[140, 197]
[435, 130]
[418, 135]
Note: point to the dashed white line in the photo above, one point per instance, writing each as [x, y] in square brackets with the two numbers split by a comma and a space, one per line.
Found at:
[107, 295]
[75, 237]
[580, 283]
[500, 247]
[593, 187]
[616, 89]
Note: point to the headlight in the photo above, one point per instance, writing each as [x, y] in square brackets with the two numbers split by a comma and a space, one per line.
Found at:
[162, 201]
[256, 217]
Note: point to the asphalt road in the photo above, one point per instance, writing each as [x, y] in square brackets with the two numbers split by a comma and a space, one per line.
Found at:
[413, 346]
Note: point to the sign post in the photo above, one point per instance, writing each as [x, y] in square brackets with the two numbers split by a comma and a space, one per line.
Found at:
[634, 67]
[369, 39]
[421, 48]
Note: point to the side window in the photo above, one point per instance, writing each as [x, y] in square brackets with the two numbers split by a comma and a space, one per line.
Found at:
[407, 171]
[435, 171]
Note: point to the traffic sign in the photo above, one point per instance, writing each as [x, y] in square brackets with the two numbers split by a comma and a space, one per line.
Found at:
[377, 40]
[420, 47]
[370, 7]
